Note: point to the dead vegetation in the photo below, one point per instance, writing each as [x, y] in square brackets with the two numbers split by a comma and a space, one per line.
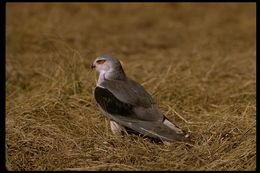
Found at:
[197, 60]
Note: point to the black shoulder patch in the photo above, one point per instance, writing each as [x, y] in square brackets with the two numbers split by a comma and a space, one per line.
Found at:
[111, 104]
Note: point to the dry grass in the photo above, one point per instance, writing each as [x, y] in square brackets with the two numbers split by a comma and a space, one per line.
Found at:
[197, 60]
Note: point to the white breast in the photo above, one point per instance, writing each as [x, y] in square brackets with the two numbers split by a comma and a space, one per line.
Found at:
[101, 78]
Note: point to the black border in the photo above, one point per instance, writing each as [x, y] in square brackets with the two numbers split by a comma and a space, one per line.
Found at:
[3, 10]
[3, 95]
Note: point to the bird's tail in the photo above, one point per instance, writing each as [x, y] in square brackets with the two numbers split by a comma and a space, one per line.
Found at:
[158, 130]
[163, 132]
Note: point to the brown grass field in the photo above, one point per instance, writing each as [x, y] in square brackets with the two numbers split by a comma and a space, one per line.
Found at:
[198, 61]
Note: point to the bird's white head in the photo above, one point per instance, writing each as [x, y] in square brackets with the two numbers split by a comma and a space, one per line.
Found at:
[108, 67]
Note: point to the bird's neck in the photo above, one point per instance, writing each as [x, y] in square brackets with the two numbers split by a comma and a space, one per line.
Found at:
[111, 75]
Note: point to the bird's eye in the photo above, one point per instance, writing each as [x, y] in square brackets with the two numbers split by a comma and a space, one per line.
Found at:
[101, 61]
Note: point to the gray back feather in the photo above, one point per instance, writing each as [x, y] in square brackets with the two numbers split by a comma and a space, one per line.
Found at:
[129, 91]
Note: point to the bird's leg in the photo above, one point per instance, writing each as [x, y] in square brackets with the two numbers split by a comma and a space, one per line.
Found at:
[116, 128]
[172, 126]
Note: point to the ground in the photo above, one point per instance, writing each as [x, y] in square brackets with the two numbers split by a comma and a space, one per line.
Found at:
[198, 61]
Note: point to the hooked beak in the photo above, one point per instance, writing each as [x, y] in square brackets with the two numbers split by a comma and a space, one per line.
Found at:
[92, 66]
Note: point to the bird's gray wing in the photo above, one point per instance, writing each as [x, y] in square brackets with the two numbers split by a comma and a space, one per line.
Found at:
[132, 93]
[125, 114]
[129, 91]
[111, 104]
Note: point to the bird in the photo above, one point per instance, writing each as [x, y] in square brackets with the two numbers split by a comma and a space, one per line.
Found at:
[128, 106]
